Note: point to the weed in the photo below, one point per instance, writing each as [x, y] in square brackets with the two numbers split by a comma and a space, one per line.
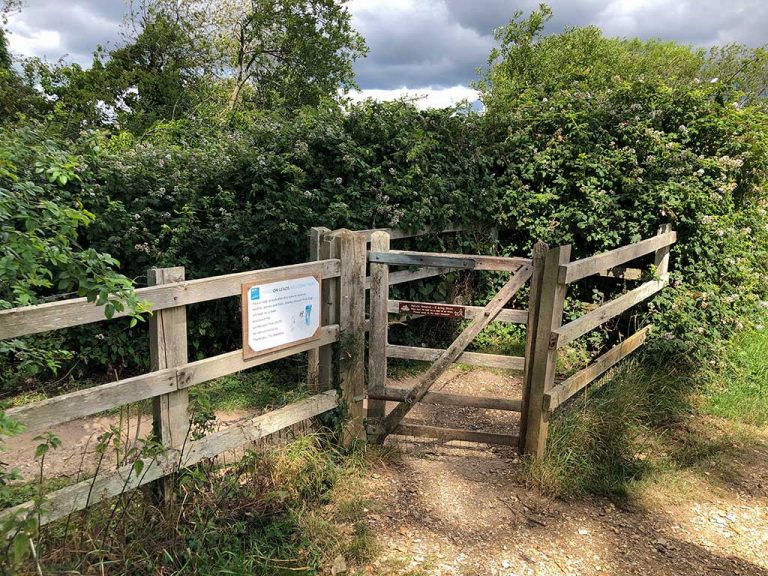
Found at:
[739, 391]
[637, 428]
[279, 510]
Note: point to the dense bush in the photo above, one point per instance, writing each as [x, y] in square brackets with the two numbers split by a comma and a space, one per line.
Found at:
[42, 189]
[585, 140]
[599, 151]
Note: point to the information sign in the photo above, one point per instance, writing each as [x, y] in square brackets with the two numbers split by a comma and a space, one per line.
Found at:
[280, 314]
[428, 309]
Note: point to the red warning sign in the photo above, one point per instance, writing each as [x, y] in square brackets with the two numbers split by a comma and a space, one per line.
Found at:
[428, 309]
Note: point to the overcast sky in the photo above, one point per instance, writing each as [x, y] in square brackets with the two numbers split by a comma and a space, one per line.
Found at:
[421, 47]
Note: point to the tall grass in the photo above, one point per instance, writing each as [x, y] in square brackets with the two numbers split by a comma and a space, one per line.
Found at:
[279, 510]
[636, 426]
[739, 391]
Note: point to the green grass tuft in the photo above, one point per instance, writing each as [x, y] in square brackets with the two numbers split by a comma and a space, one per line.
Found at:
[611, 440]
[739, 392]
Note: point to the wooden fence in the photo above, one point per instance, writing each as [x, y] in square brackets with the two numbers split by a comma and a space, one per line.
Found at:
[553, 272]
[339, 259]
[343, 284]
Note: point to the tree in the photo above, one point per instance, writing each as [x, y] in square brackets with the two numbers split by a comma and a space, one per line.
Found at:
[741, 73]
[290, 52]
[17, 96]
[274, 53]
[153, 77]
[5, 54]
[527, 62]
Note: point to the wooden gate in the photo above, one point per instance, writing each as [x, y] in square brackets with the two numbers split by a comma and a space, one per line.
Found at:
[551, 272]
[381, 424]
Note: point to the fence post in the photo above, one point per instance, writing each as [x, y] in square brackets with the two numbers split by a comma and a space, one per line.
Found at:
[544, 357]
[313, 356]
[352, 253]
[330, 312]
[168, 348]
[661, 256]
[377, 336]
[537, 259]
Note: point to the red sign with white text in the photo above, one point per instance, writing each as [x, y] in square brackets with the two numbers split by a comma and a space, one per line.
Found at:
[428, 309]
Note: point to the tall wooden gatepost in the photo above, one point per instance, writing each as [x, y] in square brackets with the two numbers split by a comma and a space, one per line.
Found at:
[351, 248]
[540, 378]
[167, 349]
[378, 336]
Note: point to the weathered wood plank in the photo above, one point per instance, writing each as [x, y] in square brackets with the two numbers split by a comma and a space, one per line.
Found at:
[168, 349]
[41, 415]
[61, 503]
[534, 297]
[471, 358]
[313, 355]
[378, 335]
[661, 258]
[242, 434]
[506, 315]
[442, 398]
[26, 320]
[595, 264]
[450, 434]
[352, 253]
[330, 313]
[411, 259]
[208, 369]
[544, 358]
[623, 273]
[570, 386]
[598, 316]
[447, 260]
[402, 276]
[448, 356]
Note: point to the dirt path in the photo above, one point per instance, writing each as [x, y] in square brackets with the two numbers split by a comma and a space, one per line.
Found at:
[460, 508]
[77, 455]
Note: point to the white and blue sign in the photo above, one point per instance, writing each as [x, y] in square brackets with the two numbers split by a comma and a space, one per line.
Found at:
[278, 314]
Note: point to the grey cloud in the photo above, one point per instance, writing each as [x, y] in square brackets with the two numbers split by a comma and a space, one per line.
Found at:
[425, 46]
[82, 25]
[442, 42]
[438, 43]
[700, 22]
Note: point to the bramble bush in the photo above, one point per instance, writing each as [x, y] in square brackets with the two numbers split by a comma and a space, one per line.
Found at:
[42, 186]
[598, 152]
[572, 148]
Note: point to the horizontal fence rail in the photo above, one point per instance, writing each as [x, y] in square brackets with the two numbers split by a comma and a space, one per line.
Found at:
[59, 409]
[577, 328]
[569, 273]
[65, 501]
[451, 434]
[27, 320]
[458, 261]
[471, 358]
[445, 399]
[570, 386]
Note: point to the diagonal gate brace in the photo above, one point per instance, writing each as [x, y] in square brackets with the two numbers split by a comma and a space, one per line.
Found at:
[449, 356]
